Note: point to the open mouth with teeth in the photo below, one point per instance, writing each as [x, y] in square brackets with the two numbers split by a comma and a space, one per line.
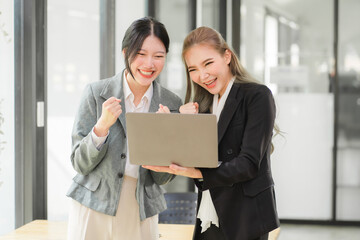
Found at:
[146, 74]
[211, 84]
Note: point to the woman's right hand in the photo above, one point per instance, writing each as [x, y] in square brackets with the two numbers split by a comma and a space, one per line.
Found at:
[111, 110]
[163, 109]
[190, 108]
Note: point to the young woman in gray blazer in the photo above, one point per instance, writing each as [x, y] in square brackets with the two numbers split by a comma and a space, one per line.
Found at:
[236, 200]
[111, 198]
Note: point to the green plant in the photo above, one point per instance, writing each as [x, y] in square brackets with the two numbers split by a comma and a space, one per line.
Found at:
[7, 38]
[3, 32]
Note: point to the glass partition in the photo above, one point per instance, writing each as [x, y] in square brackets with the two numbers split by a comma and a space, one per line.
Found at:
[288, 45]
[348, 151]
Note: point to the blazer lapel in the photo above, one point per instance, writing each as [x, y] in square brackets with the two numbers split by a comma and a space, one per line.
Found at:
[155, 101]
[115, 88]
[228, 111]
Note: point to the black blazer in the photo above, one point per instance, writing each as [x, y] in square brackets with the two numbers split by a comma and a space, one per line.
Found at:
[242, 186]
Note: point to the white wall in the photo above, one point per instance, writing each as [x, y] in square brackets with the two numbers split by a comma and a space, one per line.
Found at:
[302, 160]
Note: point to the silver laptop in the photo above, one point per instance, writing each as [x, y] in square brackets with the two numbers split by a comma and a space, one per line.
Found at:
[189, 140]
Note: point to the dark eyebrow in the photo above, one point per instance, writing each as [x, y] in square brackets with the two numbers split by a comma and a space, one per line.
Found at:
[203, 62]
[162, 52]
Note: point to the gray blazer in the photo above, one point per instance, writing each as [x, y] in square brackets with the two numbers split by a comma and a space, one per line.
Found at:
[100, 172]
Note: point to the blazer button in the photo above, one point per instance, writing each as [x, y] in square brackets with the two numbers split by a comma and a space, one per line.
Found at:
[123, 155]
[120, 175]
[229, 151]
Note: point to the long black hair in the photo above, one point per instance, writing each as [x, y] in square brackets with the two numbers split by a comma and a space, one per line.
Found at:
[136, 34]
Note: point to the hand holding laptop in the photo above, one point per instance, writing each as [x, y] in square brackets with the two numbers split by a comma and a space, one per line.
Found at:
[191, 172]
[177, 170]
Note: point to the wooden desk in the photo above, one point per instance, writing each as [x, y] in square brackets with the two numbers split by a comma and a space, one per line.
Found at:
[39, 229]
[176, 231]
[48, 230]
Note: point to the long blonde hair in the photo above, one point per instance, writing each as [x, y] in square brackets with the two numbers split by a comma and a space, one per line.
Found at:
[194, 92]
[209, 36]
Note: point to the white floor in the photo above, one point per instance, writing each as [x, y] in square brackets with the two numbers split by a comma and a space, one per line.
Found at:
[316, 232]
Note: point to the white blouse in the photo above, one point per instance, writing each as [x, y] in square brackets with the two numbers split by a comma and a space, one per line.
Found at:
[207, 213]
[144, 106]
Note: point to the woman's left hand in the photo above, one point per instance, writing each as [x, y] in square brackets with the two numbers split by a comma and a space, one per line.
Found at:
[177, 170]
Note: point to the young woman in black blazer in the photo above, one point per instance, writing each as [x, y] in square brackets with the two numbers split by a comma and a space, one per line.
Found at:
[236, 199]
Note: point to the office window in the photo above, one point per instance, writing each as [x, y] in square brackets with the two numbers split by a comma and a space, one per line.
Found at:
[73, 61]
[271, 46]
[7, 156]
[210, 14]
[171, 13]
[126, 13]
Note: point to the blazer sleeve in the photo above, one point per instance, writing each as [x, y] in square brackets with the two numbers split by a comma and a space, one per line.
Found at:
[85, 156]
[254, 145]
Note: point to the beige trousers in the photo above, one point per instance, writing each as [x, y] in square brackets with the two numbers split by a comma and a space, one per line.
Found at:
[87, 224]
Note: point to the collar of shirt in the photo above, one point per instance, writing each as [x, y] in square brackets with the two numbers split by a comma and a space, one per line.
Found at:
[207, 212]
[219, 105]
[144, 104]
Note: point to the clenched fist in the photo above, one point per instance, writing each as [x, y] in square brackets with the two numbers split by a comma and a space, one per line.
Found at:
[111, 110]
[190, 108]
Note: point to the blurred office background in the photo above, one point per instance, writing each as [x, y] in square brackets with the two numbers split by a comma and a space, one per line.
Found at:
[307, 52]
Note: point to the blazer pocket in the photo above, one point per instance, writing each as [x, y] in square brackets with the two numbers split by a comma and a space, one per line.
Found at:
[90, 182]
[257, 185]
[153, 190]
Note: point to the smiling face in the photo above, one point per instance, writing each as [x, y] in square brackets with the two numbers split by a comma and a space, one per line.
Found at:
[148, 63]
[208, 68]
